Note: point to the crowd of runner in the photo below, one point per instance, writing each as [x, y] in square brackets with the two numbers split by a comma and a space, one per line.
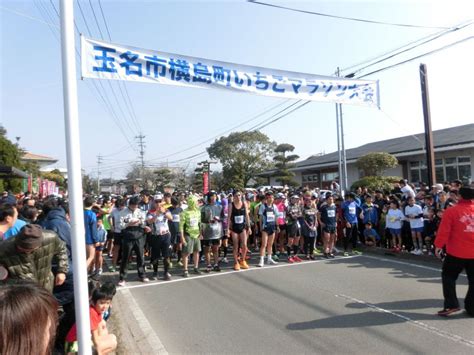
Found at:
[196, 233]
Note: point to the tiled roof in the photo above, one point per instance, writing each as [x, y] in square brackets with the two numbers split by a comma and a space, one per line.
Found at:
[441, 138]
[38, 157]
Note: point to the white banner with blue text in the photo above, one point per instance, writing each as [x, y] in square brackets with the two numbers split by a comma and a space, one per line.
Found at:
[104, 60]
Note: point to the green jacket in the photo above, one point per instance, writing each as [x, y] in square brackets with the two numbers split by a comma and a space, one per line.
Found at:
[37, 265]
[190, 219]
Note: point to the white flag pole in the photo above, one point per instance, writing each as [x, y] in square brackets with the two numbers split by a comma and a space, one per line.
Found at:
[71, 120]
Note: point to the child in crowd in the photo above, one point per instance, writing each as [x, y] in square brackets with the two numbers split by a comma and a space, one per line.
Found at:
[414, 213]
[99, 247]
[430, 228]
[370, 235]
[103, 342]
[394, 220]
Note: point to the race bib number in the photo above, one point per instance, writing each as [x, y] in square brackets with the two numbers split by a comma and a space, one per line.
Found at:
[352, 210]
[239, 219]
[176, 218]
[392, 219]
[270, 217]
[331, 213]
[193, 222]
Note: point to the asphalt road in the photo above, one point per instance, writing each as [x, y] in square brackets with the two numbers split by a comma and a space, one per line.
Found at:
[363, 304]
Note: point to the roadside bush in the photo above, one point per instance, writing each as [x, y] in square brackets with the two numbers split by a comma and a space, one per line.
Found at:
[384, 183]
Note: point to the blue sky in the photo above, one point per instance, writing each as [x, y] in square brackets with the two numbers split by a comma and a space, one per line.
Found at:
[175, 118]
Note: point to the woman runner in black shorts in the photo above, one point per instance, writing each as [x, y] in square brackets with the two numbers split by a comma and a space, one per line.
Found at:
[239, 224]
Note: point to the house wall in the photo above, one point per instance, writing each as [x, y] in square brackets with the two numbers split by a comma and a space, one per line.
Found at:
[404, 169]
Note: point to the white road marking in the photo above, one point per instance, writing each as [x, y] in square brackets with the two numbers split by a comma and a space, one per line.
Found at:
[424, 326]
[181, 279]
[151, 337]
[407, 263]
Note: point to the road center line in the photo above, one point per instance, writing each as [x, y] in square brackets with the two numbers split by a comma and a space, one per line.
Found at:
[424, 326]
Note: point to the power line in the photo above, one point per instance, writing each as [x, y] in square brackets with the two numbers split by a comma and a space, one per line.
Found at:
[107, 103]
[342, 17]
[418, 56]
[412, 47]
[128, 102]
[141, 144]
[222, 133]
[95, 17]
[436, 35]
[108, 82]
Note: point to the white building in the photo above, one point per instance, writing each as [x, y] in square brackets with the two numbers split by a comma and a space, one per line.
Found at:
[454, 154]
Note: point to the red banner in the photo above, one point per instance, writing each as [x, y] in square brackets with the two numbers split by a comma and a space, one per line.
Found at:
[205, 182]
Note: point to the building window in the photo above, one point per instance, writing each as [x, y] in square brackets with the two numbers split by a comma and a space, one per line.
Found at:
[446, 169]
[311, 178]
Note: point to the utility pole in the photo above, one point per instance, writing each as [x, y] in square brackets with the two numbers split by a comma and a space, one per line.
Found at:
[430, 161]
[99, 162]
[141, 145]
[339, 152]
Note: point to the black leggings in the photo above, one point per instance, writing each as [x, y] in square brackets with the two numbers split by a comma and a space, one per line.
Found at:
[351, 236]
[452, 267]
[309, 245]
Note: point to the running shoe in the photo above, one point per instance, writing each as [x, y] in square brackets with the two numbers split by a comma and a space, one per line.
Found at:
[186, 273]
[448, 311]
[308, 257]
[291, 260]
[316, 252]
[180, 263]
[216, 268]
[346, 253]
[236, 266]
[225, 261]
[244, 265]
[121, 283]
[326, 255]
[209, 268]
[154, 276]
[171, 264]
[112, 268]
[418, 252]
[413, 252]
[312, 257]
[331, 255]
[145, 279]
[297, 259]
[356, 252]
[275, 258]
[167, 276]
[99, 271]
[271, 261]
[197, 271]
[260, 263]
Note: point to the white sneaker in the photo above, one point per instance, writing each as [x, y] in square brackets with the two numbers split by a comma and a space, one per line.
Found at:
[270, 261]
[419, 252]
[413, 251]
[225, 261]
[260, 263]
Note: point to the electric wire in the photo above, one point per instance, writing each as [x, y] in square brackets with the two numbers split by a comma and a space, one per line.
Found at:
[342, 17]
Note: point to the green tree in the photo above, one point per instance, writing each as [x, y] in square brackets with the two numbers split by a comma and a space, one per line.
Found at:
[10, 155]
[88, 184]
[375, 164]
[283, 164]
[163, 177]
[372, 183]
[243, 156]
[56, 176]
